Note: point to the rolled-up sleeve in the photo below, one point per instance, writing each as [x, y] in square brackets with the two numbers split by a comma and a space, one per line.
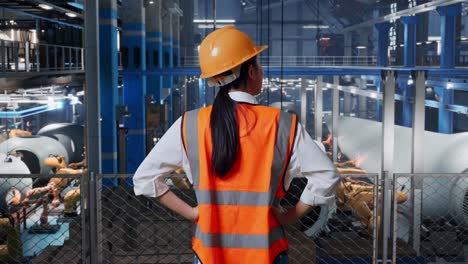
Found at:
[309, 161]
[164, 158]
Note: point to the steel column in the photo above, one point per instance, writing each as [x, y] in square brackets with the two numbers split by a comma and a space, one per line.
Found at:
[154, 48]
[388, 142]
[134, 87]
[417, 156]
[410, 40]
[448, 15]
[109, 84]
[383, 42]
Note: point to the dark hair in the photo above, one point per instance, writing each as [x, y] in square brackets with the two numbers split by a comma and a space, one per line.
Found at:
[224, 127]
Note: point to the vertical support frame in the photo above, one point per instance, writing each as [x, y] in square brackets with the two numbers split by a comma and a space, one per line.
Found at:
[417, 157]
[93, 127]
[388, 141]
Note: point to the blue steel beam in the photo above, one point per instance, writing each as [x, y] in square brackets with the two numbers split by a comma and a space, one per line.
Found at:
[410, 40]
[383, 42]
[134, 86]
[448, 16]
[109, 84]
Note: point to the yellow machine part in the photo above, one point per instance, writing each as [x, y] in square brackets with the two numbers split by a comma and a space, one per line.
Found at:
[71, 199]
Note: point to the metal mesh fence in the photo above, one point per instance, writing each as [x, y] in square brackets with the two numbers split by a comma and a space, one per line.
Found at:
[40, 219]
[139, 230]
[434, 218]
[429, 222]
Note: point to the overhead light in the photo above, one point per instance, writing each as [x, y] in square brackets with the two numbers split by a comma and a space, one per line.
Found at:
[361, 47]
[46, 7]
[211, 25]
[151, 2]
[71, 14]
[315, 26]
[212, 21]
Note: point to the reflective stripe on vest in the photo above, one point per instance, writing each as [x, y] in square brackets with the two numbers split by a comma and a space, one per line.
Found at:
[254, 235]
[239, 240]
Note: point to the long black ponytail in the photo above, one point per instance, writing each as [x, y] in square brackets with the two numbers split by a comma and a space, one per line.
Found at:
[224, 126]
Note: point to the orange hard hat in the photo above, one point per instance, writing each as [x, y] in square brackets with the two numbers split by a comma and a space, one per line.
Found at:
[225, 49]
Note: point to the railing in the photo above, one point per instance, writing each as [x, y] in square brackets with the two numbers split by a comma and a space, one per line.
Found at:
[429, 222]
[303, 61]
[18, 56]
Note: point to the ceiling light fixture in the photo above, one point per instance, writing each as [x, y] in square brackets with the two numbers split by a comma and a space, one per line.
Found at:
[71, 14]
[46, 7]
[151, 2]
[315, 26]
[211, 21]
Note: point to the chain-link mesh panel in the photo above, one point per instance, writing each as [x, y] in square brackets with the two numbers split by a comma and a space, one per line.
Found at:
[40, 219]
[349, 236]
[140, 230]
[136, 229]
[433, 220]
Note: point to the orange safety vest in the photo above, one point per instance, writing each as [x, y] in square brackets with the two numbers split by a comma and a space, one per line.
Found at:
[236, 223]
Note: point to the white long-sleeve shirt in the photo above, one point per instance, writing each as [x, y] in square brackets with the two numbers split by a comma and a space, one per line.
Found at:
[307, 160]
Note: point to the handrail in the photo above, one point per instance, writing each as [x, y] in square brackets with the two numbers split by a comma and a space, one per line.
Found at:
[24, 56]
[294, 61]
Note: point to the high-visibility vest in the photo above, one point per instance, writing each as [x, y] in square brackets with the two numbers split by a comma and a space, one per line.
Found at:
[236, 223]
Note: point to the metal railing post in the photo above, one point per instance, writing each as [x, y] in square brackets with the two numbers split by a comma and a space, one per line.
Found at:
[70, 58]
[55, 58]
[26, 56]
[15, 54]
[82, 59]
[38, 57]
[47, 58]
[63, 59]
